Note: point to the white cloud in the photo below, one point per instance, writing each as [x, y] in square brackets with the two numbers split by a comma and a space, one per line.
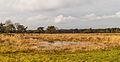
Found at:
[61, 18]
[38, 20]
[93, 16]
[38, 17]
[116, 15]
[89, 17]
[32, 5]
[38, 5]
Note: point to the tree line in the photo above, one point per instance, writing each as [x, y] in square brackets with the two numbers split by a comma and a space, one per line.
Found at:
[9, 27]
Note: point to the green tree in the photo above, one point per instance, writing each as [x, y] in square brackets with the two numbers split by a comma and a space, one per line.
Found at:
[21, 28]
[88, 30]
[10, 28]
[29, 31]
[2, 28]
[51, 29]
[76, 30]
[40, 30]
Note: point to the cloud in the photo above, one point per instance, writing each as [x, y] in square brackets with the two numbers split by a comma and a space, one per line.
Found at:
[33, 5]
[89, 17]
[61, 12]
[61, 18]
[38, 19]
[95, 17]
[42, 5]
[116, 15]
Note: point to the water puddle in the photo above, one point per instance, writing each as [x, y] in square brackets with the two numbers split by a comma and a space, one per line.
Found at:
[58, 45]
[67, 45]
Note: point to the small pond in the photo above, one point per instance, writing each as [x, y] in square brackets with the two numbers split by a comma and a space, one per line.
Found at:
[68, 45]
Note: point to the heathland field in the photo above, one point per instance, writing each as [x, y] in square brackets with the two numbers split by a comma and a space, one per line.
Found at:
[98, 47]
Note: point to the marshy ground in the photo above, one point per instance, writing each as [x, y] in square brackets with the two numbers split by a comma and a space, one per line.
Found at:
[59, 47]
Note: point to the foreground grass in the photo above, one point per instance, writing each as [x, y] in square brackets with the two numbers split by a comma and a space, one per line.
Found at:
[111, 55]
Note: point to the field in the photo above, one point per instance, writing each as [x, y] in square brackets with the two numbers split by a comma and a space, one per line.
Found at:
[60, 47]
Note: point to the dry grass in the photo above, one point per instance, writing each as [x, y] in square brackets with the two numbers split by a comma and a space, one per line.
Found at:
[19, 48]
[27, 41]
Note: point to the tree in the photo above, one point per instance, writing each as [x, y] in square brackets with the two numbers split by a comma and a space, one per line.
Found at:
[16, 25]
[21, 28]
[76, 30]
[51, 29]
[101, 31]
[88, 30]
[29, 31]
[40, 30]
[10, 28]
[2, 28]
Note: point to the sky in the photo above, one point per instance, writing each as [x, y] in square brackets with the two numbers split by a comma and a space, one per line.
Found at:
[64, 14]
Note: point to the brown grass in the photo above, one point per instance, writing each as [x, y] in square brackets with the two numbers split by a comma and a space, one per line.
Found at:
[27, 41]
